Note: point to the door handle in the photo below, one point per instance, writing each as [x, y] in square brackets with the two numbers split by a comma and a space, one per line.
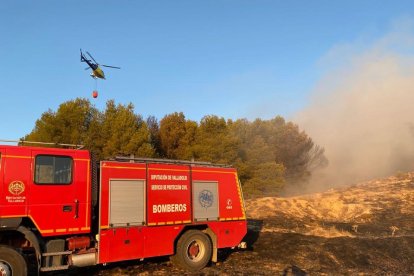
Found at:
[67, 208]
[76, 208]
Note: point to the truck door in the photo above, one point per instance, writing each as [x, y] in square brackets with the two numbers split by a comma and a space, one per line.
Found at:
[2, 153]
[54, 206]
[14, 180]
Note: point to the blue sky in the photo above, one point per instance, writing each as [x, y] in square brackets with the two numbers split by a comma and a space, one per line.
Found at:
[236, 59]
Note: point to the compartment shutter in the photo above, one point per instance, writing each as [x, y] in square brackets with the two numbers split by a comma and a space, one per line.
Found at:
[205, 201]
[127, 202]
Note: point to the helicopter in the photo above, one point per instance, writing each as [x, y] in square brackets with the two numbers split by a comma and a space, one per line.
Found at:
[97, 72]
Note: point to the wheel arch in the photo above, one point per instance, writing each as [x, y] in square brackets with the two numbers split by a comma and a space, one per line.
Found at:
[32, 239]
[17, 234]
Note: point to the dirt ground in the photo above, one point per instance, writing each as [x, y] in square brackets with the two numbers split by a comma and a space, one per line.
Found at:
[364, 229]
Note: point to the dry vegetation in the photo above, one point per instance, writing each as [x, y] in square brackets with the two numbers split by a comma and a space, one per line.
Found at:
[384, 205]
[365, 229]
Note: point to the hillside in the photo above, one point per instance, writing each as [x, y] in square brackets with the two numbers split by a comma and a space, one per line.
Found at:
[366, 228]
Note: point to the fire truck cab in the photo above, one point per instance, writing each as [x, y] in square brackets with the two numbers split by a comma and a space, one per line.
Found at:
[59, 208]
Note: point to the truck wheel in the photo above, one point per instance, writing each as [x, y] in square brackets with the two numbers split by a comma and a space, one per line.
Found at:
[193, 251]
[11, 262]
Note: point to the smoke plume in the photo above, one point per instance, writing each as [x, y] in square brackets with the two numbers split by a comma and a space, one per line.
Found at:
[362, 113]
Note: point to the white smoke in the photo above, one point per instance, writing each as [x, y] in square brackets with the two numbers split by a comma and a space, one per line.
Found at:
[362, 111]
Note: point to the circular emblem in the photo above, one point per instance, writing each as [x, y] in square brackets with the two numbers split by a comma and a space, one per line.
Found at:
[206, 198]
[16, 187]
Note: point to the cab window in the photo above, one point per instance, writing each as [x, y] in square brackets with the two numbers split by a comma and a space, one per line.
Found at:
[51, 169]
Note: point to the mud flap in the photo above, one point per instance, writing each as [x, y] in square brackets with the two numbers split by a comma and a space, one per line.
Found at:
[213, 237]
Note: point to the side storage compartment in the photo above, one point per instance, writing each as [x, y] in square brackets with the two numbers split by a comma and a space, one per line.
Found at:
[127, 202]
[205, 201]
[122, 216]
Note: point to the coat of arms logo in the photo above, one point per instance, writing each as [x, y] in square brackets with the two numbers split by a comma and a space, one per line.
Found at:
[16, 187]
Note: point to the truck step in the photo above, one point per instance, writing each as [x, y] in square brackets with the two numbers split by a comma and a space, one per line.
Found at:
[53, 268]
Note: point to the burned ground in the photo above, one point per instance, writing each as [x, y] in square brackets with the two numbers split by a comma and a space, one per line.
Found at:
[366, 228]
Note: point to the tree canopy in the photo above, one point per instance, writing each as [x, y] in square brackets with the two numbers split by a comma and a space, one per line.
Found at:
[268, 154]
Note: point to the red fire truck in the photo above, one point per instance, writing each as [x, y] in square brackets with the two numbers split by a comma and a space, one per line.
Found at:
[60, 209]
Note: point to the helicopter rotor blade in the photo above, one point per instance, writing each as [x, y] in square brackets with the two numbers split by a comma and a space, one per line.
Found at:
[87, 68]
[116, 67]
[92, 57]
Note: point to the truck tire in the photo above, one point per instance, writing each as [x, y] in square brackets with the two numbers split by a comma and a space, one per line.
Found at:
[12, 263]
[193, 251]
